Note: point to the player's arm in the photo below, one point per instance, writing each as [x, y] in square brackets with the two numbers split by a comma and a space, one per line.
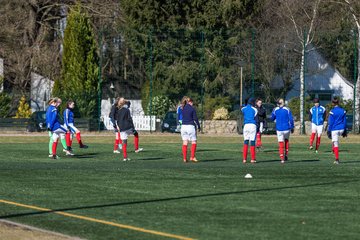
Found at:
[196, 120]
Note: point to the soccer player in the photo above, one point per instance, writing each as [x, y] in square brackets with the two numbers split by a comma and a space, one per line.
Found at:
[54, 126]
[125, 126]
[112, 116]
[336, 127]
[284, 125]
[261, 122]
[317, 117]
[190, 122]
[179, 116]
[250, 127]
[136, 134]
[69, 123]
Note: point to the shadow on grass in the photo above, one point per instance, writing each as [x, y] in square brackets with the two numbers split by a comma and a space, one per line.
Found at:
[216, 160]
[219, 194]
[207, 150]
[86, 155]
[150, 159]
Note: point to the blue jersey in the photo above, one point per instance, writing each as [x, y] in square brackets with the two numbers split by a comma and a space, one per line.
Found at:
[189, 116]
[283, 117]
[52, 121]
[317, 115]
[68, 117]
[250, 114]
[337, 119]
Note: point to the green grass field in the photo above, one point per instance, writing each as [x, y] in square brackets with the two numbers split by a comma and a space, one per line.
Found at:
[95, 195]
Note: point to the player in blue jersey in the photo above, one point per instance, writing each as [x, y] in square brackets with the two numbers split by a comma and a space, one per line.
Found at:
[69, 123]
[190, 123]
[317, 116]
[250, 127]
[284, 125]
[54, 126]
[179, 117]
[336, 126]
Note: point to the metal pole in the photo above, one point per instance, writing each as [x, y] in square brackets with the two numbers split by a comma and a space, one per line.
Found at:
[355, 80]
[151, 78]
[253, 63]
[100, 79]
[241, 85]
[203, 81]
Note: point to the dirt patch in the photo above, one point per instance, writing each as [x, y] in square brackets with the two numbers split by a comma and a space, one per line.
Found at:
[15, 231]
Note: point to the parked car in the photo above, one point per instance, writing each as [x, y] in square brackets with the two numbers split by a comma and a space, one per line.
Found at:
[270, 129]
[37, 122]
[349, 122]
[169, 123]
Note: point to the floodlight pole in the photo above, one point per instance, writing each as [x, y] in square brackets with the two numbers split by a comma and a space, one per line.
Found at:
[355, 130]
[100, 79]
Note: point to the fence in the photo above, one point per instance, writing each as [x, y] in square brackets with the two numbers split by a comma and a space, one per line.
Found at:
[141, 123]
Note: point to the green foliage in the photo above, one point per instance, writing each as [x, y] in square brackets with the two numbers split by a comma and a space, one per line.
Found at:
[79, 80]
[294, 105]
[346, 104]
[234, 114]
[221, 114]
[24, 110]
[160, 106]
[5, 103]
[211, 104]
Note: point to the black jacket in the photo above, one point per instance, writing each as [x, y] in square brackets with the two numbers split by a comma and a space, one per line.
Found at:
[124, 119]
[112, 114]
[261, 114]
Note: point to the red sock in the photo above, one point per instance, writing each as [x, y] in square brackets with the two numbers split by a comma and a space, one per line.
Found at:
[78, 138]
[136, 141]
[312, 138]
[124, 146]
[54, 146]
[318, 142]
[286, 147]
[336, 152]
[193, 150]
[281, 150]
[184, 151]
[68, 139]
[252, 151]
[258, 140]
[116, 144]
[245, 151]
[120, 141]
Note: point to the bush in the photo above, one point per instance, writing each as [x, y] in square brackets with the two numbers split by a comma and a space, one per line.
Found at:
[234, 114]
[221, 114]
[24, 110]
[160, 106]
[346, 104]
[211, 104]
[5, 102]
[294, 105]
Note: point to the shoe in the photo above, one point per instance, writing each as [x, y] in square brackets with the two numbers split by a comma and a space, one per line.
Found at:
[120, 146]
[336, 162]
[244, 161]
[253, 161]
[50, 155]
[286, 158]
[311, 148]
[126, 159]
[139, 150]
[55, 157]
[64, 150]
[316, 151]
[184, 160]
[194, 160]
[69, 153]
[282, 161]
[117, 151]
[84, 146]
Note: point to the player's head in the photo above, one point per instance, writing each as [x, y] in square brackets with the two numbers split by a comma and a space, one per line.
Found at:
[280, 102]
[251, 101]
[316, 102]
[121, 102]
[57, 102]
[335, 101]
[184, 100]
[258, 102]
[128, 103]
[190, 101]
[51, 101]
[70, 104]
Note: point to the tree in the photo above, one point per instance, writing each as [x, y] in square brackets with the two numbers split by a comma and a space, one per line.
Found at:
[23, 110]
[79, 72]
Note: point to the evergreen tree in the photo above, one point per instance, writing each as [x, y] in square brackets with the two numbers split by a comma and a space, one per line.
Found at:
[24, 110]
[79, 80]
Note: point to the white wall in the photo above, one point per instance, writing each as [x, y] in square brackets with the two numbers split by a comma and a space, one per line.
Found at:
[135, 107]
[40, 86]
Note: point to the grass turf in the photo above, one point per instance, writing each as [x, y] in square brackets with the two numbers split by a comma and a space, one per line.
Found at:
[308, 197]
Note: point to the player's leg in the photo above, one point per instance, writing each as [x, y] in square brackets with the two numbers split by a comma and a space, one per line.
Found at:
[287, 144]
[280, 136]
[252, 138]
[335, 141]
[55, 138]
[136, 142]
[124, 137]
[313, 134]
[319, 132]
[185, 138]
[50, 143]
[193, 144]
[258, 135]
[63, 141]
[117, 141]
[246, 134]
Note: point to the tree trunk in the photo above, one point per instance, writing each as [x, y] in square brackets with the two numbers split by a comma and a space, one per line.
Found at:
[302, 88]
[357, 89]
